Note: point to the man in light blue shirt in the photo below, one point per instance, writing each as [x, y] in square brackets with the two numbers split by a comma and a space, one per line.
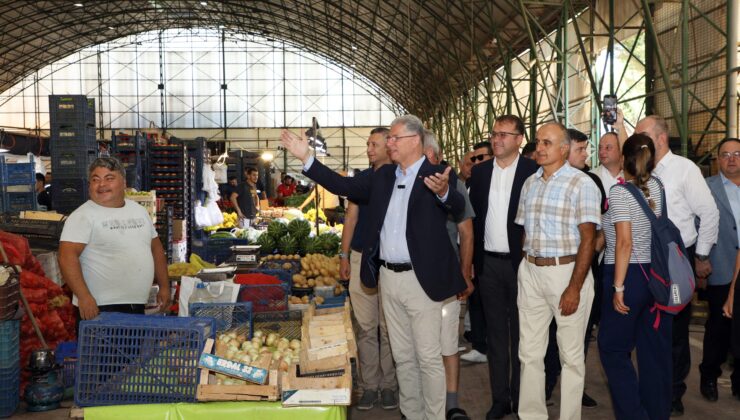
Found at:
[725, 188]
[407, 247]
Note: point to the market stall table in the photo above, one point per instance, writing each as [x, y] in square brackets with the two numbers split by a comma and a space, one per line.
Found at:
[205, 411]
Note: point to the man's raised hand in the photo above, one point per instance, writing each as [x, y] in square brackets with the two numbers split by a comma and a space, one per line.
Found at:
[297, 146]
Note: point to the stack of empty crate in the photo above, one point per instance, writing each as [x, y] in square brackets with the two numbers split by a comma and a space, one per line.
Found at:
[17, 186]
[73, 148]
[131, 151]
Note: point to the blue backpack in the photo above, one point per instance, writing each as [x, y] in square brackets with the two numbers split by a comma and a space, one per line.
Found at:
[671, 279]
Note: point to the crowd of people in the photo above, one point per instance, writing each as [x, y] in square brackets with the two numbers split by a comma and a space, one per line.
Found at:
[543, 249]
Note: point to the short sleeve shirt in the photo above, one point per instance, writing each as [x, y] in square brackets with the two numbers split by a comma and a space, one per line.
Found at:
[468, 213]
[624, 208]
[117, 262]
[551, 210]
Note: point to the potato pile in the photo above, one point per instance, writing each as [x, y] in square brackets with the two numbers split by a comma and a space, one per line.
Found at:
[317, 270]
[235, 346]
[305, 300]
[273, 261]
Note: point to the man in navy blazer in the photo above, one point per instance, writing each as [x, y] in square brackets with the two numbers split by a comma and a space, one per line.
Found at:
[495, 186]
[725, 188]
[406, 246]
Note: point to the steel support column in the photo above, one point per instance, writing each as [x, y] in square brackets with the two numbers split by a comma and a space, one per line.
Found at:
[731, 97]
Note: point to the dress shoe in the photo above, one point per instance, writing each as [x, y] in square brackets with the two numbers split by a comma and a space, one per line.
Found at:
[587, 401]
[474, 356]
[368, 399]
[708, 389]
[677, 408]
[388, 399]
[456, 414]
[498, 411]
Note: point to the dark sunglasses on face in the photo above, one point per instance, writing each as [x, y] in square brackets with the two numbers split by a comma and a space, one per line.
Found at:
[479, 158]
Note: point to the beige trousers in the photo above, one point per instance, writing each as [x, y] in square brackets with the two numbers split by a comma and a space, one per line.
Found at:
[414, 328]
[540, 289]
[376, 362]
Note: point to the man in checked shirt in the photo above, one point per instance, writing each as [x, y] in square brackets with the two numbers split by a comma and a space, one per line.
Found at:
[559, 209]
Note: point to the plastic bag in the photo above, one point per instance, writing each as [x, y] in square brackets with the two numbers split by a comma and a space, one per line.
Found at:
[202, 216]
[214, 213]
[221, 292]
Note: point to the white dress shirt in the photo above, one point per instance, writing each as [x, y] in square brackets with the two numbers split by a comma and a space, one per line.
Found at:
[688, 197]
[607, 180]
[499, 195]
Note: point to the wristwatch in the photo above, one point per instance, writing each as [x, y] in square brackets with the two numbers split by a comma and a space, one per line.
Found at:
[618, 289]
[343, 256]
[701, 257]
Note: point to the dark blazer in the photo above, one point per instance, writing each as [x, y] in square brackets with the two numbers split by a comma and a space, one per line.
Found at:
[722, 255]
[432, 256]
[480, 185]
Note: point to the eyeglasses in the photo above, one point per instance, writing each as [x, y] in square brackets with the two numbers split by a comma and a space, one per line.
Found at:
[727, 155]
[495, 134]
[479, 158]
[396, 138]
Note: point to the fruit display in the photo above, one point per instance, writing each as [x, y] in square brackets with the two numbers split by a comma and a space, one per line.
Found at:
[311, 215]
[235, 346]
[230, 221]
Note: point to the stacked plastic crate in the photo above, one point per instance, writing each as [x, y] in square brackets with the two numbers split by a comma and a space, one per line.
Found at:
[10, 371]
[17, 186]
[131, 151]
[73, 148]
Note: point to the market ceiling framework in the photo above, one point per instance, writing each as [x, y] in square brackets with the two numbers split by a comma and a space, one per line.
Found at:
[421, 53]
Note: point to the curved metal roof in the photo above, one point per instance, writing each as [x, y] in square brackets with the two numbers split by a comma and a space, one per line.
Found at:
[421, 53]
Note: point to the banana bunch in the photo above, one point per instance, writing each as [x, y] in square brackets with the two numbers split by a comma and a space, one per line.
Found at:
[230, 221]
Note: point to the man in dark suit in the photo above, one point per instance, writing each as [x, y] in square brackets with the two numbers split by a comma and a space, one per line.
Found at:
[494, 193]
[406, 246]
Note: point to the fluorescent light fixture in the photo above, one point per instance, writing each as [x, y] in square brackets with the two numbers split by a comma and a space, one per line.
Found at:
[78, 4]
[203, 3]
[4, 150]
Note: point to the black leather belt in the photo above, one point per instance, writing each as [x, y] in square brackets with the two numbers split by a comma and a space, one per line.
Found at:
[499, 255]
[397, 267]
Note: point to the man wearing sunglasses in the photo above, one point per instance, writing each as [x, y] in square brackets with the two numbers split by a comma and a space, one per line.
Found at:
[481, 152]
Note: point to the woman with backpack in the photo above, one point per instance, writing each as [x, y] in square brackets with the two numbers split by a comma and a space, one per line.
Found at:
[628, 314]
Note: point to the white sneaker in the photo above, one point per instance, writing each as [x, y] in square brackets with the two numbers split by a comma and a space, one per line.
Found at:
[474, 356]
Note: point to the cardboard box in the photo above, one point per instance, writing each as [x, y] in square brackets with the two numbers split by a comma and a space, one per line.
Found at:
[179, 251]
[179, 230]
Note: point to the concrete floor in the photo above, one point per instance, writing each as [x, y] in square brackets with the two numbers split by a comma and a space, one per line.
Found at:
[475, 394]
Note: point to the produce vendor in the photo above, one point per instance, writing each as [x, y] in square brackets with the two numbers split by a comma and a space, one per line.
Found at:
[109, 251]
[244, 197]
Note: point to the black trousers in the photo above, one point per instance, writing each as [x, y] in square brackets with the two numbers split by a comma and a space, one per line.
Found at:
[478, 332]
[498, 289]
[681, 349]
[717, 333]
[735, 341]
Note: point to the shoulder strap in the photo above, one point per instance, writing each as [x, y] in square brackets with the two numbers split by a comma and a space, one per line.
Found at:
[641, 200]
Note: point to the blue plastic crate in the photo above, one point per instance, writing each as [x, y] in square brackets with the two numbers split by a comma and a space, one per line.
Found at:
[9, 344]
[14, 202]
[10, 387]
[265, 297]
[64, 109]
[285, 276]
[139, 359]
[228, 316]
[66, 356]
[286, 323]
[17, 173]
[333, 302]
[215, 250]
[72, 163]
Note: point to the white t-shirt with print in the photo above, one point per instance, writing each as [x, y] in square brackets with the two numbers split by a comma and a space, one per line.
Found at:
[117, 262]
